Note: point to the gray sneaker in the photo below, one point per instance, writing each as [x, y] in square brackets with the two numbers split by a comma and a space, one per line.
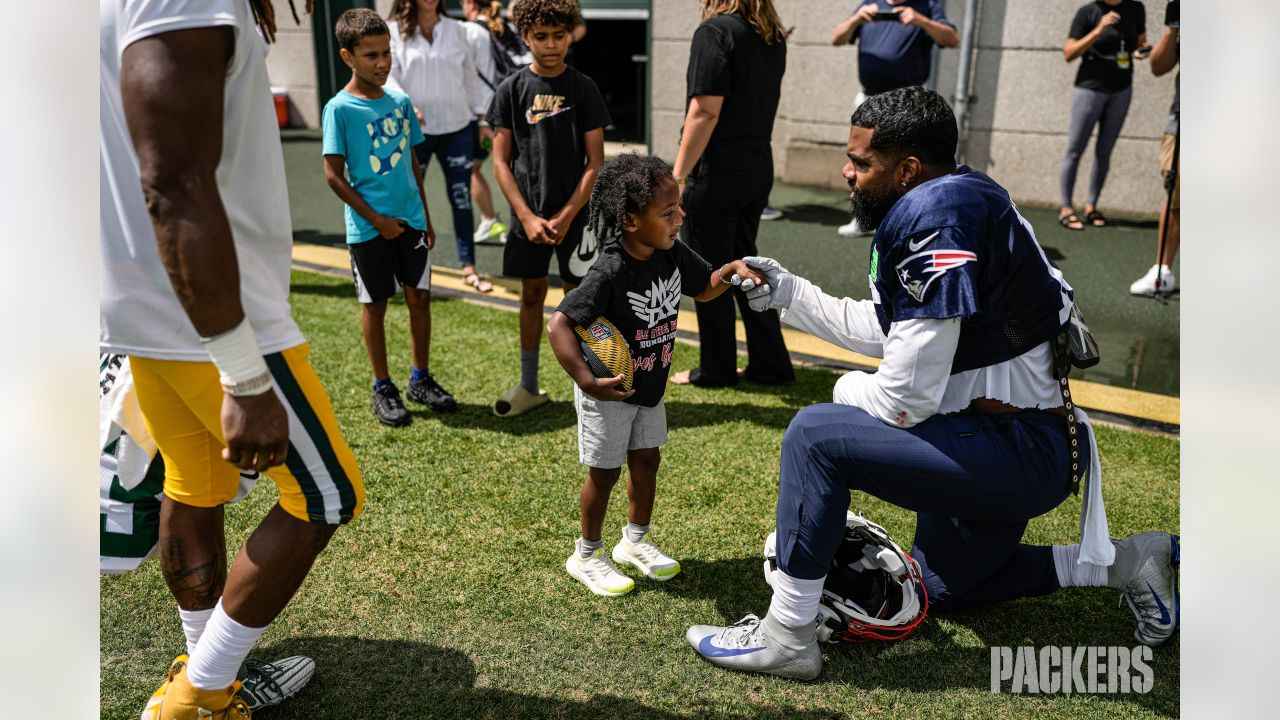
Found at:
[760, 646]
[269, 684]
[1147, 564]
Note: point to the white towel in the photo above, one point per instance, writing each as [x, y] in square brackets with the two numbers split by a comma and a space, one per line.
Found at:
[1095, 536]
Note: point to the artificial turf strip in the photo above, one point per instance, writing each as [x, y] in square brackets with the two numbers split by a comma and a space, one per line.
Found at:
[448, 597]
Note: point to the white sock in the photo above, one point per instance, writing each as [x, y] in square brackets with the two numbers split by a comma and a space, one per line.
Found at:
[1072, 573]
[193, 622]
[587, 548]
[635, 533]
[795, 601]
[223, 646]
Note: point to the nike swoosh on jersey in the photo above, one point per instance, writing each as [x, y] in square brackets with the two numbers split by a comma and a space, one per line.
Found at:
[914, 246]
[708, 650]
[1164, 611]
[533, 118]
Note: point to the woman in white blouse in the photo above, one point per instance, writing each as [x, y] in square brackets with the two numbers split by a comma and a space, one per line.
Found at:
[433, 63]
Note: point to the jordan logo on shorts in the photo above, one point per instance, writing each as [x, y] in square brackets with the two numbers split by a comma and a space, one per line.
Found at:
[422, 242]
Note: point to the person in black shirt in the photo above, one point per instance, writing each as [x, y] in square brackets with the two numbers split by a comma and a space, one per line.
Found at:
[725, 163]
[636, 285]
[548, 146]
[1107, 36]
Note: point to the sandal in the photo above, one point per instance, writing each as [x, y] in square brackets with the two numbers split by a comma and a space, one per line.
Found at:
[477, 283]
[518, 401]
[1070, 221]
[1095, 218]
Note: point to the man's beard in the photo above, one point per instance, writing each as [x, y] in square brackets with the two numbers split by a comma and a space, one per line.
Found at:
[868, 207]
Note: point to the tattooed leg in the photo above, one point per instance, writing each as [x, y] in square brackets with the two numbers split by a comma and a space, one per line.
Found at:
[193, 553]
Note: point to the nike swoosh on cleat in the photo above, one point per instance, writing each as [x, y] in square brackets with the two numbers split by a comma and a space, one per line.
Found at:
[914, 246]
[708, 650]
[1164, 612]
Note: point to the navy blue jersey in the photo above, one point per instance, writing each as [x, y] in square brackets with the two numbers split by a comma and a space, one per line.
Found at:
[956, 247]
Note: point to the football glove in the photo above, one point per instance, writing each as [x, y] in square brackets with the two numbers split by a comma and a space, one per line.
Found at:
[779, 285]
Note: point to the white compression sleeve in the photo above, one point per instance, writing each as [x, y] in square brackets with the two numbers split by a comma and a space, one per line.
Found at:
[850, 324]
[912, 379]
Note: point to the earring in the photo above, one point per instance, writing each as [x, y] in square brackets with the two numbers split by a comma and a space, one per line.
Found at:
[904, 183]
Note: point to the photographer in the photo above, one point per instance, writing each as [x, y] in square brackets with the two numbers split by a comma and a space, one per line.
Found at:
[895, 45]
[1107, 36]
[1160, 279]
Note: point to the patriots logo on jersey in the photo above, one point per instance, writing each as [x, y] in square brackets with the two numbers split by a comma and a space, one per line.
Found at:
[919, 271]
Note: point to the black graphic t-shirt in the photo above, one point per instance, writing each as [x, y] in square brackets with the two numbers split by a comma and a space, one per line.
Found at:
[641, 298]
[548, 117]
[1107, 65]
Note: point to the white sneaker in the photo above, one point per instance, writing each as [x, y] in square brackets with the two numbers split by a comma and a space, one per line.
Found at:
[770, 213]
[491, 231]
[760, 646]
[598, 573]
[1158, 280]
[850, 229]
[645, 557]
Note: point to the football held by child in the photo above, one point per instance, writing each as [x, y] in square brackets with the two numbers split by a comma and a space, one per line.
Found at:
[636, 284]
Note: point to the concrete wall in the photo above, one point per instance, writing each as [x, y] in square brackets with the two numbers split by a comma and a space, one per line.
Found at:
[291, 63]
[1017, 122]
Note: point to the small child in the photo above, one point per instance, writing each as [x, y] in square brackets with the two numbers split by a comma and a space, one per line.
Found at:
[548, 121]
[369, 134]
[636, 284]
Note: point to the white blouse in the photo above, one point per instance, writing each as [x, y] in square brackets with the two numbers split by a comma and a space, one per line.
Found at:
[440, 77]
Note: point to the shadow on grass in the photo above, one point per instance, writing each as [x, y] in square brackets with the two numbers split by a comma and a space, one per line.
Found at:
[317, 237]
[951, 650]
[815, 214]
[363, 678]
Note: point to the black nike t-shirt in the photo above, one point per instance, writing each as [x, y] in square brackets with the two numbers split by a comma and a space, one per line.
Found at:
[547, 118]
[1107, 65]
[642, 299]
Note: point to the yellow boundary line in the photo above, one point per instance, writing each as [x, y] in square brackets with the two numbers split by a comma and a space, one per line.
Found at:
[1107, 398]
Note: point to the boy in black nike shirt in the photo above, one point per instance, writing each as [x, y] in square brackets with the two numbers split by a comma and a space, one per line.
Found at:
[548, 146]
[636, 285]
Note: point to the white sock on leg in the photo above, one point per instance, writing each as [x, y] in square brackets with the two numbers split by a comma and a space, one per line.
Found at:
[223, 646]
[1072, 573]
[795, 601]
[193, 623]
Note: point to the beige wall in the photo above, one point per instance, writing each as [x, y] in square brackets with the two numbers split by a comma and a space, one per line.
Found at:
[291, 63]
[1017, 122]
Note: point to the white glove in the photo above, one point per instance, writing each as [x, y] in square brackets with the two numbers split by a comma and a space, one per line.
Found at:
[779, 285]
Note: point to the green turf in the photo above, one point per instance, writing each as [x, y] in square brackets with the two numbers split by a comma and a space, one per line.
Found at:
[448, 598]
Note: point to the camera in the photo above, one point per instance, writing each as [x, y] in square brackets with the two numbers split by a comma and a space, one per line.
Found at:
[1171, 14]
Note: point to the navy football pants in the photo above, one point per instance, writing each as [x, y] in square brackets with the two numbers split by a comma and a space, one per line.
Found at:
[973, 480]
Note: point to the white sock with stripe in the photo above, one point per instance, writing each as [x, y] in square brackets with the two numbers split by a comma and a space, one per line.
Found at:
[193, 624]
[223, 646]
[795, 601]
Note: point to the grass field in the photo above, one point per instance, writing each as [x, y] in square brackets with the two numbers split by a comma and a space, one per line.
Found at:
[448, 597]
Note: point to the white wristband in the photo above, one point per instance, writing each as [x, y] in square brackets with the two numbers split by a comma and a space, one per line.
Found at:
[241, 368]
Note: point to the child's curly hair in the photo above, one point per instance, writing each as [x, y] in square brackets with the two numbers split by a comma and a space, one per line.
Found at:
[552, 13]
[625, 185]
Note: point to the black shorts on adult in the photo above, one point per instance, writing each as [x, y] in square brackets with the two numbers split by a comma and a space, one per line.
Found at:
[380, 266]
[576, 253]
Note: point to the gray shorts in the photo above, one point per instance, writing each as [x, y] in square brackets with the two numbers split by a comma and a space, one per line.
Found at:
[607, 430]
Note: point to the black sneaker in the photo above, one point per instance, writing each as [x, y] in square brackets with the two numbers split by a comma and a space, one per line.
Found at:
[428, 392]
[388, 407]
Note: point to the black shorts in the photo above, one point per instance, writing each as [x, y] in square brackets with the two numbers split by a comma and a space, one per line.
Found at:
[576, 253]
[380, 266]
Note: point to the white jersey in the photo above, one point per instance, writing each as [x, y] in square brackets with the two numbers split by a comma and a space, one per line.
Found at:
[140, 314]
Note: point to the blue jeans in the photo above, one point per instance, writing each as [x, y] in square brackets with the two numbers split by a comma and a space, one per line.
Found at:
[973, 480]
[454, 151]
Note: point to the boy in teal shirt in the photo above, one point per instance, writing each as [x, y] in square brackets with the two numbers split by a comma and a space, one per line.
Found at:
[369, 134]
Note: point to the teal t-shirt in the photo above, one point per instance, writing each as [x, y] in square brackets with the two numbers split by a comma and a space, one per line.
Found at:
[376, 137]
